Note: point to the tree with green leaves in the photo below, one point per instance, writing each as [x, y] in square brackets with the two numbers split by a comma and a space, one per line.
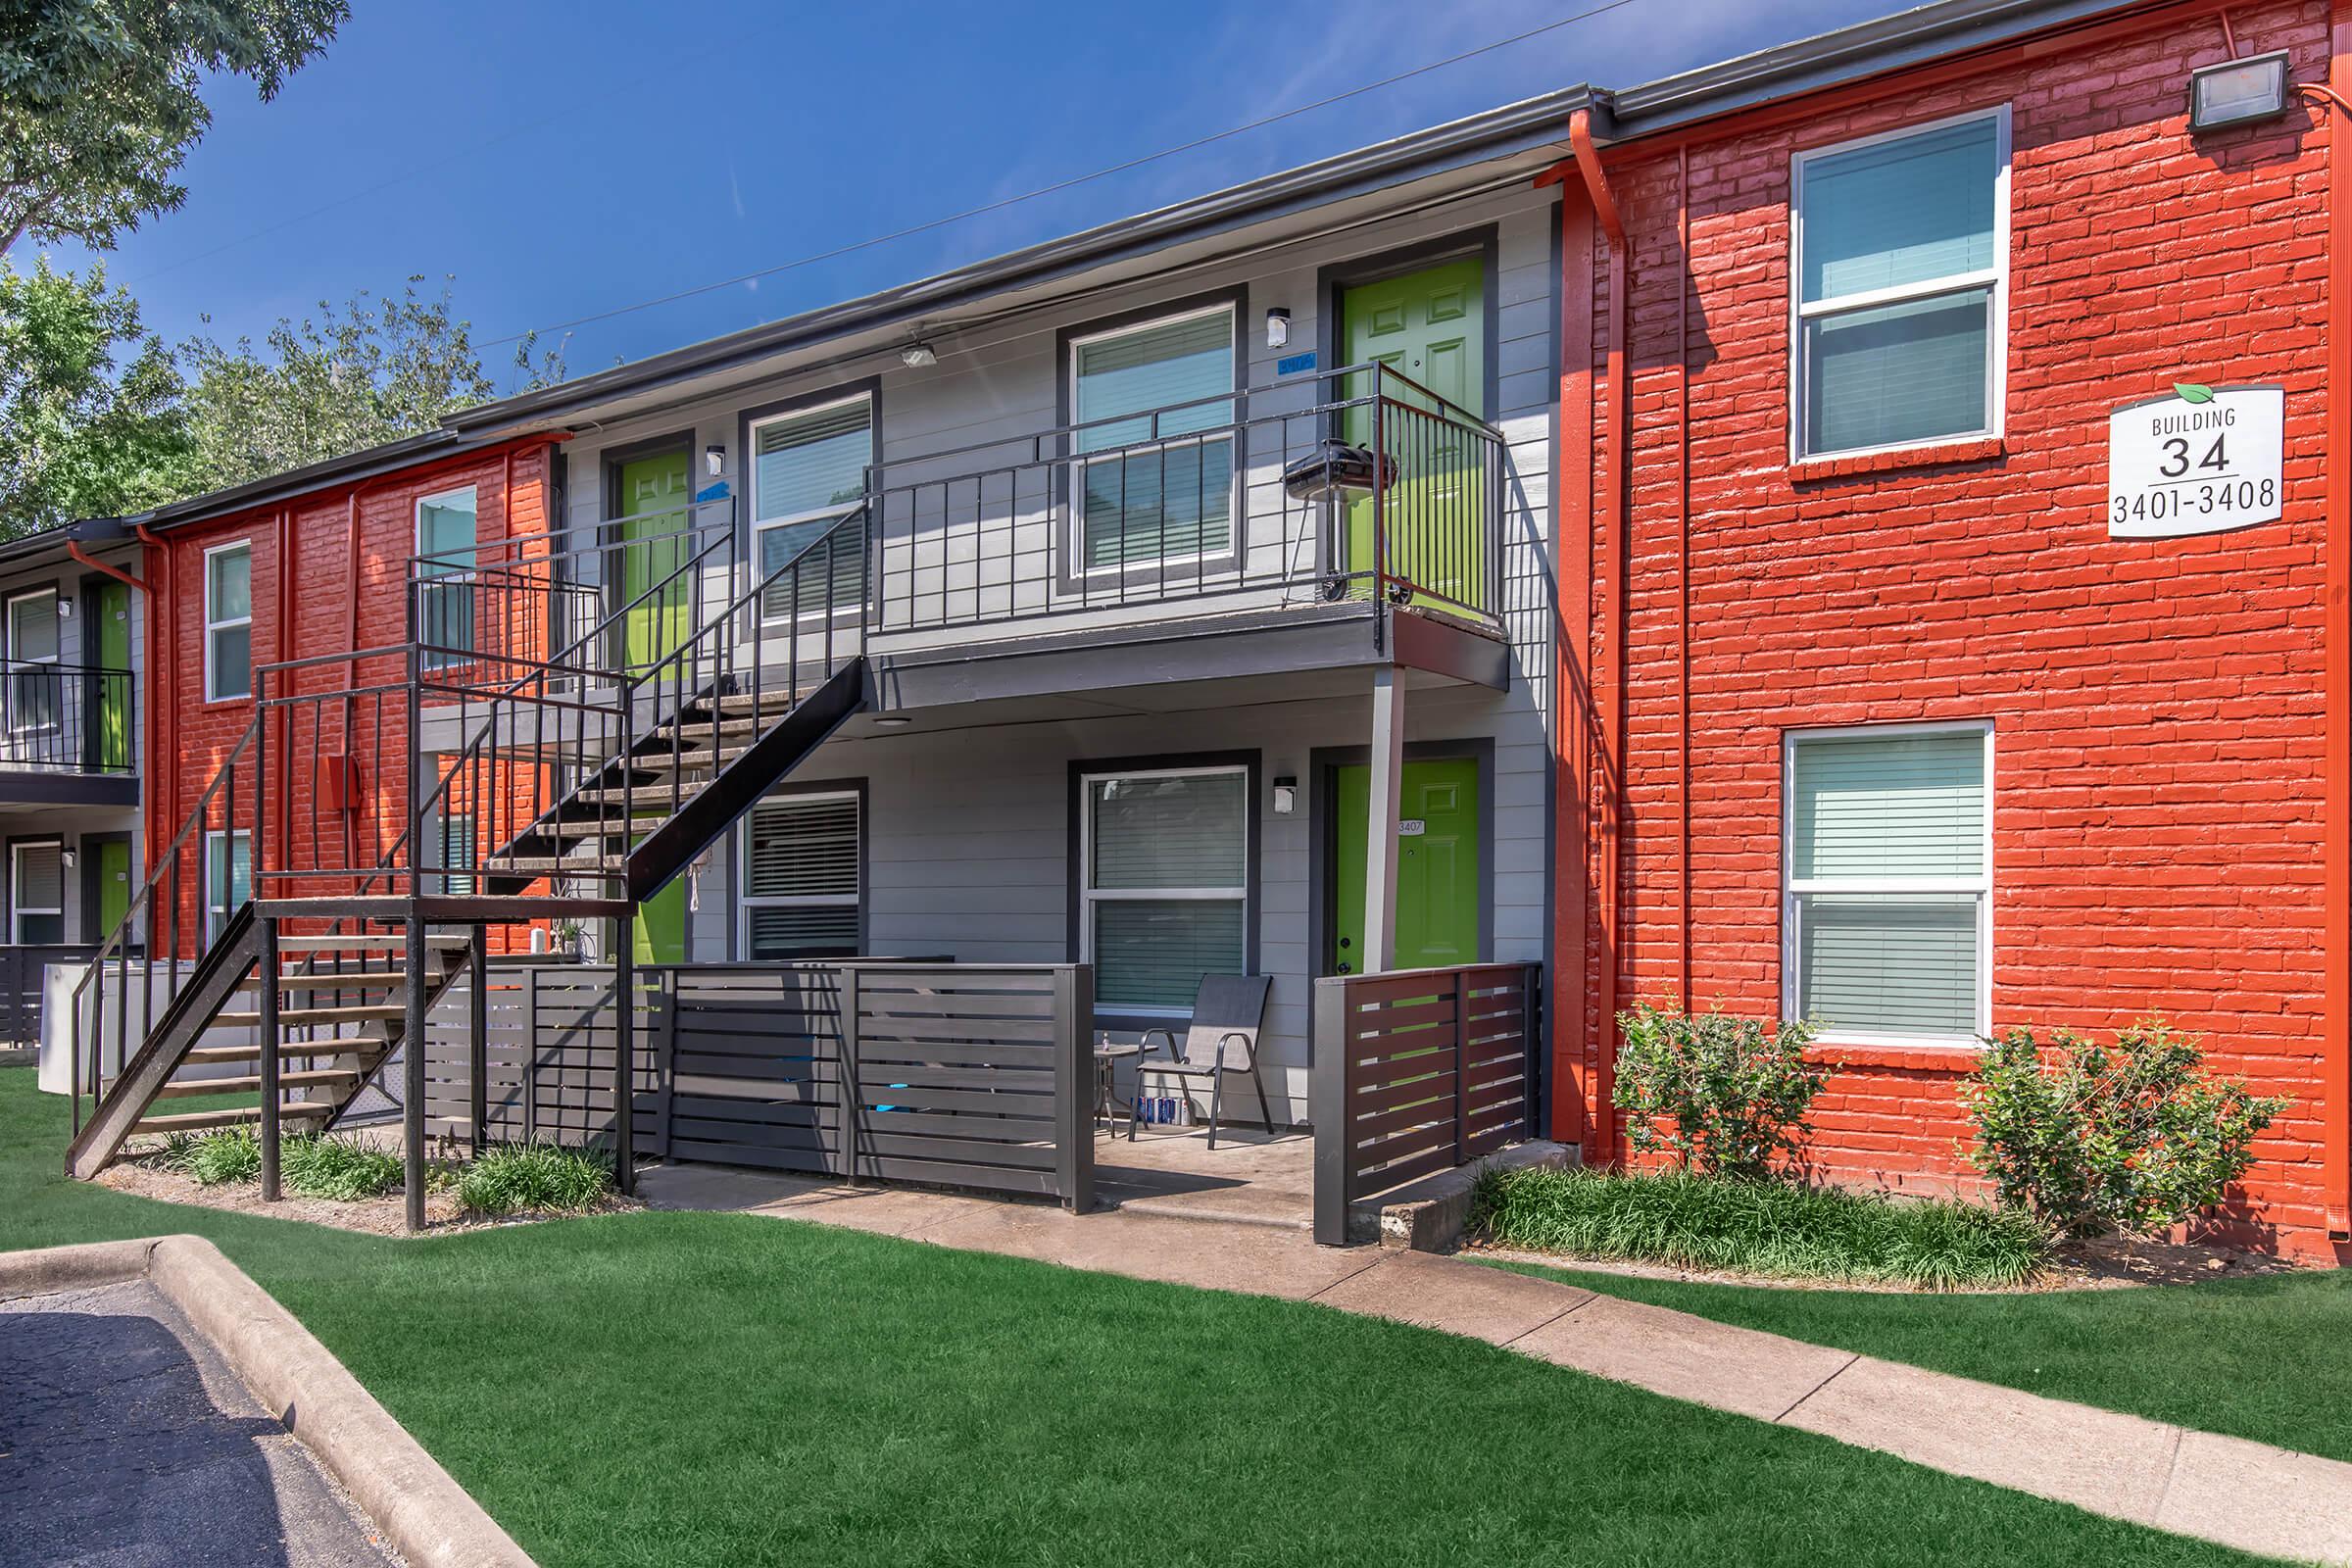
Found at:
[373, 372]
[92, 422]
[99, 102]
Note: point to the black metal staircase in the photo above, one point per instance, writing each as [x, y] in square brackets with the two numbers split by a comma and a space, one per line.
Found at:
[599, 764]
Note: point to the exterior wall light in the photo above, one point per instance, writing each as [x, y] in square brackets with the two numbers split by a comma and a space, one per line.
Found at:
[2239, 92]
[1278, 327]
[714, 460]
[915, 355]
[1286, 795]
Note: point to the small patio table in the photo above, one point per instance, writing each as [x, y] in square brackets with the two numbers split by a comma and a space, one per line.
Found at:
[1107, 1053]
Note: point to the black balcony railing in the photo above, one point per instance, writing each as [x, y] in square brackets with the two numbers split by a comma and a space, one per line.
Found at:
[66, 718]
[1358, 484]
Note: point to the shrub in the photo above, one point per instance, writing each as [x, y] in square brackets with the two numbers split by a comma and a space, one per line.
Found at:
[230, 1155]
[1724, 1095]
[1686, 1220]
[2087, 1140]
[341, 1168]
[526, 1176]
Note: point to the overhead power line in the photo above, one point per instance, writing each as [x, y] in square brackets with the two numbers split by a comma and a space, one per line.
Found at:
[1057, 186]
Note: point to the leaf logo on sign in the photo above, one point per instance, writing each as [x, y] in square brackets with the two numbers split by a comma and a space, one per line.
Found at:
[2191, 392]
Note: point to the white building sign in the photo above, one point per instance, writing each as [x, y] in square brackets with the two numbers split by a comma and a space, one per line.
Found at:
[2204, 459]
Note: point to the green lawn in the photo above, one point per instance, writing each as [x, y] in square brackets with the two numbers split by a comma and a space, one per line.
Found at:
[725, 1389]
[2259, 1357]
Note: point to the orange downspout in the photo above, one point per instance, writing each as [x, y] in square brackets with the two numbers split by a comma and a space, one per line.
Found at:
[1569, 1082]
[1608, 638]
[2335, 1045]
[162, 769]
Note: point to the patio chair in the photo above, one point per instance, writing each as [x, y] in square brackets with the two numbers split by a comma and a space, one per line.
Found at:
[1228, 1013]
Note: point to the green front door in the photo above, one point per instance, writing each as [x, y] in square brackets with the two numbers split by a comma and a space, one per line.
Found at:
[1437, 866]
[1431, 326]
[110, 727]
[113, 885]
[654, 508]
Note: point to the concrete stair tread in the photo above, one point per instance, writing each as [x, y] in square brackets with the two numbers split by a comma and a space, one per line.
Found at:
[198, 1120]
[224, 1055]
[289, 1017]
[305, 1078]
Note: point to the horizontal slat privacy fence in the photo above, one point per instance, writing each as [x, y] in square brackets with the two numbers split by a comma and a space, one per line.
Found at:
[963, 1075]
[1417, 1071]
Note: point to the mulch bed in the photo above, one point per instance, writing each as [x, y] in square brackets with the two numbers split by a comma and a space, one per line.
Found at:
[385, 1216]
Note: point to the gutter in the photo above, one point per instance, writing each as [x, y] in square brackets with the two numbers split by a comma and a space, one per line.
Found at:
[74, 551]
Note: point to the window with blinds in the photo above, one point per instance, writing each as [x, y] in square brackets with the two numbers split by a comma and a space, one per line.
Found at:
[1888, 881]
[454, 839]
[1901, 265]
[1162, 387]
[227, 622]
[801, 859]
[1167, 884]
[807, 473]
[38, 893]
[227, 877]
[446, 531]
[35, 692]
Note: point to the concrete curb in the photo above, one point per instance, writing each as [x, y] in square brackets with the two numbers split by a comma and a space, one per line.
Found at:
[52, 1269]
[431, 1520]
[1427, 1215]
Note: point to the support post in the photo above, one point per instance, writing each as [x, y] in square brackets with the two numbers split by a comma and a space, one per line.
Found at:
[266, 977]
[845, 990]
[1380, 826]
[624, 1066]
[412, 1045]
[478, 1035]
[1074, 1086]
[1327, 1107]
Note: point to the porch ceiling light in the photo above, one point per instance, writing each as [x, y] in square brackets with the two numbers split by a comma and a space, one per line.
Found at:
[2239, 92]
[915, 355]
[893, 720]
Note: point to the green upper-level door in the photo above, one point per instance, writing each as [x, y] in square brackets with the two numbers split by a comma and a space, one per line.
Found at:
[1431, 326]
[109, 735]
[655, 505]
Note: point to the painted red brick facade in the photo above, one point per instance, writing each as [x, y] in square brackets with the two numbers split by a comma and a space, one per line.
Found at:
[329, 572]
[2157, 706]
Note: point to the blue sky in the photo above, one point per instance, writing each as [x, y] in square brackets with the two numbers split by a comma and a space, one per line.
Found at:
[562, 159]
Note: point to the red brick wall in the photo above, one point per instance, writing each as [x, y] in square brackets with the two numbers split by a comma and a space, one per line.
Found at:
[314, 617]
[2156, 705]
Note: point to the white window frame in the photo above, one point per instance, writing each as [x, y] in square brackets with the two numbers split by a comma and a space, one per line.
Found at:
[1995, 277]
[461, 576]
[16, 724]
[16, 883]
[1074, 527]
[212, 689]
[220, 841]
[1793, 886]
[1089, 896]
[761, 525]
[745, 901]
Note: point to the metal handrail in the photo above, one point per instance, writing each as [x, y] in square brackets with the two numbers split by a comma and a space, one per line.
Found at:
[224, 783]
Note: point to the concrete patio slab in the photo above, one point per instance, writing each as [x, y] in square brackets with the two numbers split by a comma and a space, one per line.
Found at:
[1479, 1303]
[905, 1212]
[2259, 1498]
[1735, 1369]
[1253, 1177]
[2097, 1460]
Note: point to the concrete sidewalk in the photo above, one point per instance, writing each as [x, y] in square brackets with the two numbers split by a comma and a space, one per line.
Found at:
[2225, 1490]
